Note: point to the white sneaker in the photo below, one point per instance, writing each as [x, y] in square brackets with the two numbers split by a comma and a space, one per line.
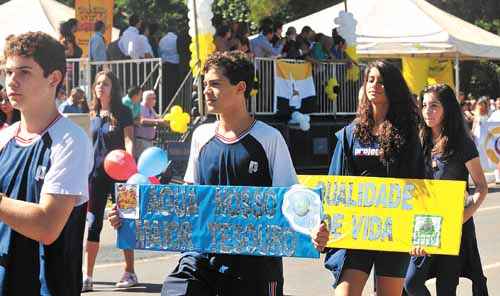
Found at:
[128, 280]
[87, 285]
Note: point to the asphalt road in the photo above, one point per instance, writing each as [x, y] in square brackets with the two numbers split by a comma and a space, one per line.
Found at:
[303, 277]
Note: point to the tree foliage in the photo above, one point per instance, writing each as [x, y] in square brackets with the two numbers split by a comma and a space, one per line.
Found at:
[477, 78]
[235, 10]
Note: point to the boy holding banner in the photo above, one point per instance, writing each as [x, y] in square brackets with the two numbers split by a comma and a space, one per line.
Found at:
[235, 150]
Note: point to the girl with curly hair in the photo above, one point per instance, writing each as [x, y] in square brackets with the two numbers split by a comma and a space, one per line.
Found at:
[382, 141]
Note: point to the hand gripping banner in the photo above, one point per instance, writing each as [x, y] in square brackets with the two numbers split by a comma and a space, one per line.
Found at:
[262, 221]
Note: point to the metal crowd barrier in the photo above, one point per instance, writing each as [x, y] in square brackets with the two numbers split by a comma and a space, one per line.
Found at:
[142, 72]
[265, 102]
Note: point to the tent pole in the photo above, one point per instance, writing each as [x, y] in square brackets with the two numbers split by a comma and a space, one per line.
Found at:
[457, 74]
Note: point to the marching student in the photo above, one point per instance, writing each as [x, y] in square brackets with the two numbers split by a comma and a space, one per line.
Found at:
[450, 154]
[235, 150]
[46, 161]
[382, 141]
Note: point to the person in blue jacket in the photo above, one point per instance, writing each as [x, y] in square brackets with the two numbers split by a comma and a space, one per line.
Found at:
[382, 141]
[450, 154]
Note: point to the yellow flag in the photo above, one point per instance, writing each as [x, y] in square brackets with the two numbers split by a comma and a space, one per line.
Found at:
[415, 73]
[441, 71]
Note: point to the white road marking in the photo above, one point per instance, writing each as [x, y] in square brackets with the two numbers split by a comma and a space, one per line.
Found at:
[488, 209]
[147, 260]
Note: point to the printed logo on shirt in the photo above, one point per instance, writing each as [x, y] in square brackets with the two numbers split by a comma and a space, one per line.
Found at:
[366, 152]
[253, 167]
[40, 172]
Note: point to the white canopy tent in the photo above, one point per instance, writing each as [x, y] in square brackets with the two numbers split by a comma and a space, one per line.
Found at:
[396, 28]
[20, 16]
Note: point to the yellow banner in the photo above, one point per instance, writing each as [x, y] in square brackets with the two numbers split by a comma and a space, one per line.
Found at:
[293, 71]
[389, 214]
[87, 12]
[441, 71]
[420, 72]
[415, 72]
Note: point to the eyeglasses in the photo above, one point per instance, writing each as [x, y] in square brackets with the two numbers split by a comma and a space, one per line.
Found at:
[4, 101]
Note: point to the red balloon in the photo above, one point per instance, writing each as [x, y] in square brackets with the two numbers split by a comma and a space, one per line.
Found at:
[119, 165]
[154, 180]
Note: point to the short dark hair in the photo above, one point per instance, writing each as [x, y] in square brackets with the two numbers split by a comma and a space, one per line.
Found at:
[277, 25]
[133, 20]
[267, 30]
[134, 90]
[234, 65]
[222, 30]
[306, 29]
[45, 50]
[72, 22]
[98, 26]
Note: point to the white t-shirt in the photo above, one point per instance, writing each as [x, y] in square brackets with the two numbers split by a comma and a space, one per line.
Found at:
[59, 160]
[258, 157]
[129, 43]
[168, 48]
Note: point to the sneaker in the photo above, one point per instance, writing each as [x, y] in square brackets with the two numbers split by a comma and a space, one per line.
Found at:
[87, 285]
[128, 280]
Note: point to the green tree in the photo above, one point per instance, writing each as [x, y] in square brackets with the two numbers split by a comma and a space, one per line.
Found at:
[477, 78]
[233, 10]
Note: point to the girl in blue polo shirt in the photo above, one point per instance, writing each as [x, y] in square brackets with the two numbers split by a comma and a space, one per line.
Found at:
[381, 142]
[450, 154]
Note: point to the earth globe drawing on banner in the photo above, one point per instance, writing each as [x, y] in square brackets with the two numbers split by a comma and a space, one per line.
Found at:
[302, 208]
[491, 145]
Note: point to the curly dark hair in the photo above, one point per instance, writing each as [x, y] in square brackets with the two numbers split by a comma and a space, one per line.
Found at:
[453, 129]
[44, 49]
[402, 118]
[116, 105]
[235, 65]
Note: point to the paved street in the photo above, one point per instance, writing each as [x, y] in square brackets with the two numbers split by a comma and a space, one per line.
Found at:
[302, 276]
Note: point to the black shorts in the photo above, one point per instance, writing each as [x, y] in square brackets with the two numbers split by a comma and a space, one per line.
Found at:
[390, 264]
[207, 274]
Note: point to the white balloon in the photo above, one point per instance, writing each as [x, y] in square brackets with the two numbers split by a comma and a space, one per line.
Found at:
[346, 26]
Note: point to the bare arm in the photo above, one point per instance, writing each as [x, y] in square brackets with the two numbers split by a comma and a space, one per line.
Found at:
[128, 133]
[41, 222]
[153, 122]
[476, 172]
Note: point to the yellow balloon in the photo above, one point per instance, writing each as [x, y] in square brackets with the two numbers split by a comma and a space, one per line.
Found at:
[174, 126]
[186, 118]
[178, 127]
[175, 109]
[207, 46]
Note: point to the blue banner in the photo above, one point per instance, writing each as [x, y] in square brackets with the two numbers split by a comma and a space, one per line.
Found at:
[261, 221]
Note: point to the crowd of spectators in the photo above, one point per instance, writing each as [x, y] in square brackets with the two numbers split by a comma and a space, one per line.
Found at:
[478, 111]
[270, 42]
[140, 40]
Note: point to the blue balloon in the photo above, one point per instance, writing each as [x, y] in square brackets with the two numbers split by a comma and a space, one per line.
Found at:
[152, 162]
[138, 179]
